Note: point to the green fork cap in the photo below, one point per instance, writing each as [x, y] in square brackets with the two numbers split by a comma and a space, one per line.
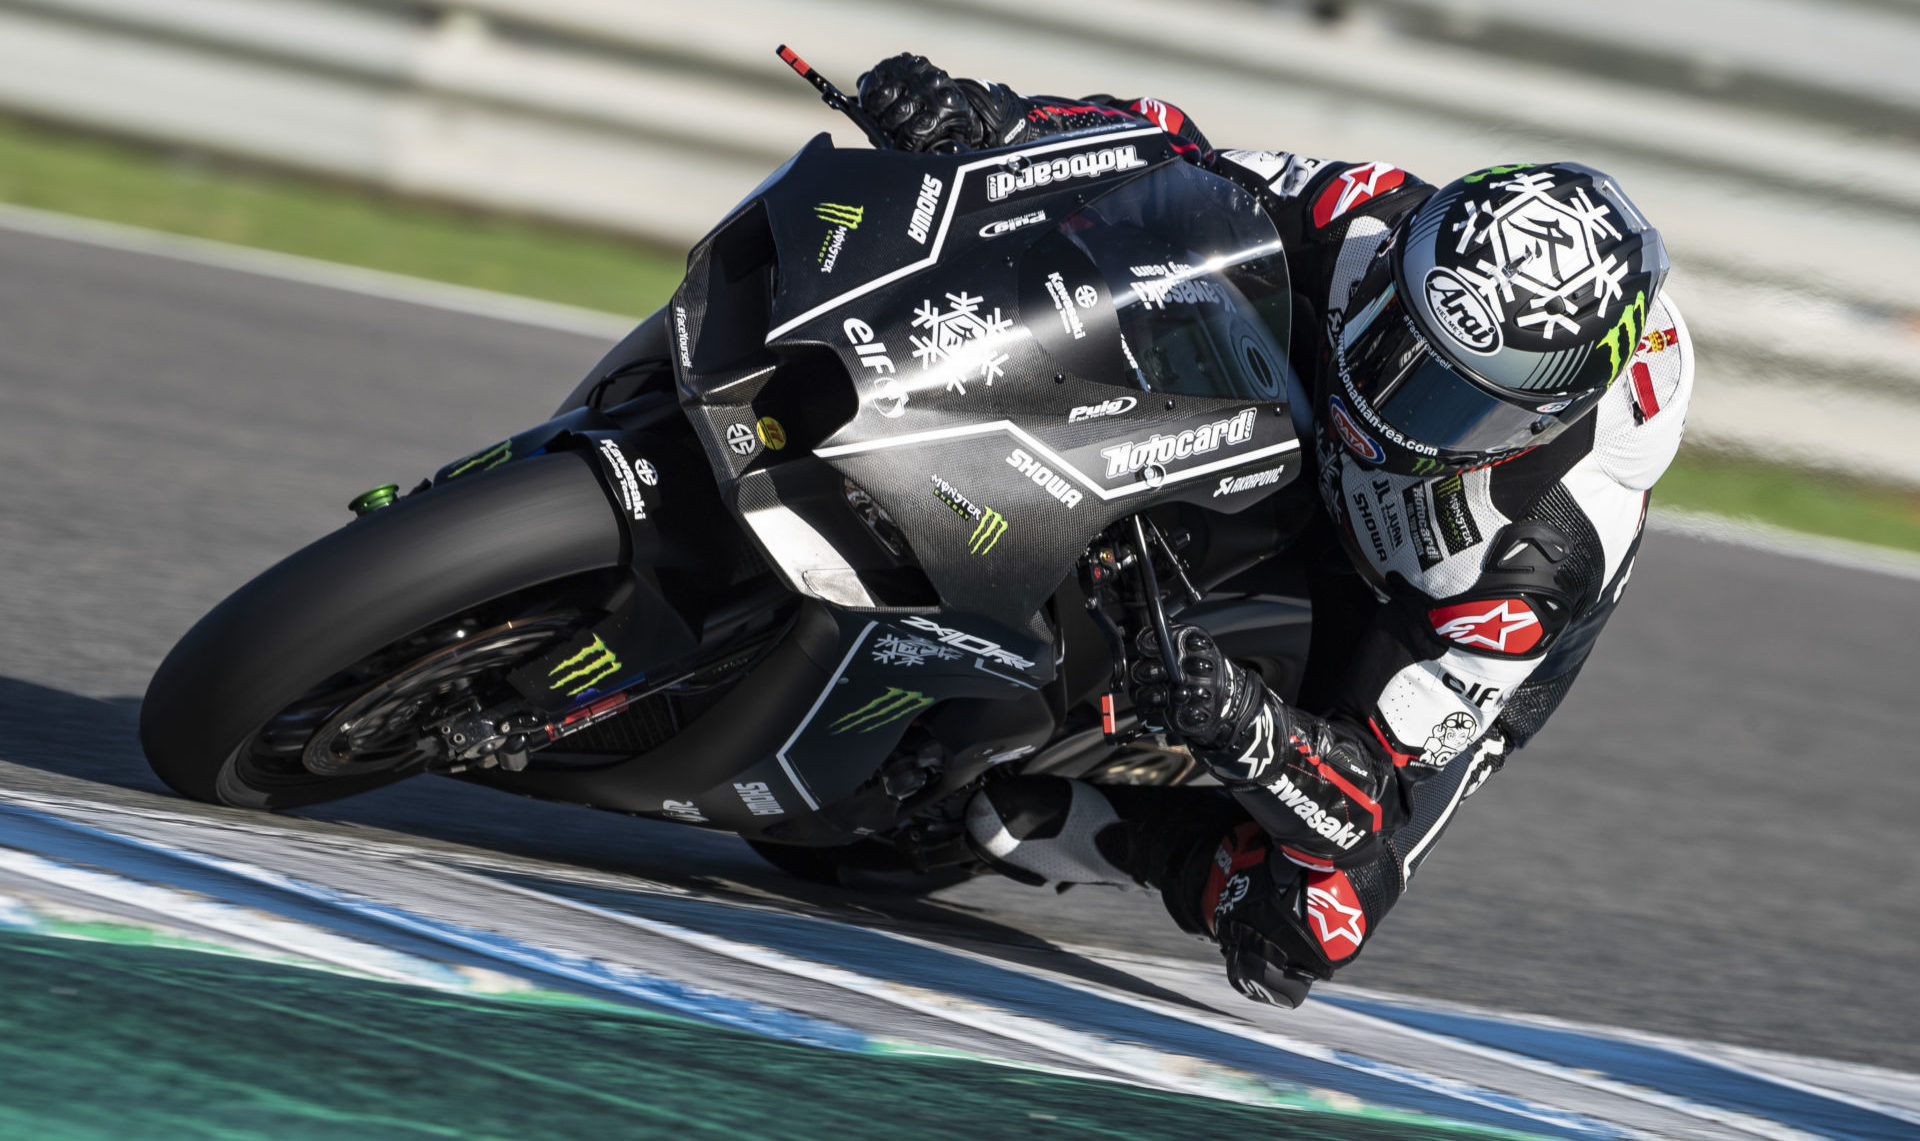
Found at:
[369, 501]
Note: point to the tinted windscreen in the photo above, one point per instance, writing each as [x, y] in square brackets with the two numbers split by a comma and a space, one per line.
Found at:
[1198, 285]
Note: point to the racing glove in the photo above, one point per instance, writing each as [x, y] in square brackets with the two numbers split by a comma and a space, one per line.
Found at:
[1310, 785]
[921, 108]
[1279, 926]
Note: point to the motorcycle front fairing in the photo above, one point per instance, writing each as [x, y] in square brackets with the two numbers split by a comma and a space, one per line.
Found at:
[970, 365]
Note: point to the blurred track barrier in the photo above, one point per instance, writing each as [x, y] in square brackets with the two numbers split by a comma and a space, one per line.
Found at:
[1794, 235]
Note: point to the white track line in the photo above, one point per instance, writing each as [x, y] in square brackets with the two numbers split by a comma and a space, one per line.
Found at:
[1781, 541]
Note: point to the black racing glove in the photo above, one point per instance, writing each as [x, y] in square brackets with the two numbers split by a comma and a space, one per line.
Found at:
[1279, 926]
[1215, 701]
[922, 108]
[1311, 784]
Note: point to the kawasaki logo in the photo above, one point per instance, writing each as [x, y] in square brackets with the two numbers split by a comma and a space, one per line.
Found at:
[1123, 459]
[884, 710]
[583, 670]
[1341, 833]
[1086, 164]
[987, 532]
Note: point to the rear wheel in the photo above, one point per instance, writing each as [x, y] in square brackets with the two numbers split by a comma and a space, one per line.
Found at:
[318, 679]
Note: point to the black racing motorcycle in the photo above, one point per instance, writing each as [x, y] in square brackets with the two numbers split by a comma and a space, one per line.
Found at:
[872, 510]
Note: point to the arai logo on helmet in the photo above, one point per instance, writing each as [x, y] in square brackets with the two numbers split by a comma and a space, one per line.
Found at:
[1461, 312]
[1357, 442]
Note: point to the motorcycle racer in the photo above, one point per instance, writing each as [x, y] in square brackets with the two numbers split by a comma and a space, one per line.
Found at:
[1495, 382]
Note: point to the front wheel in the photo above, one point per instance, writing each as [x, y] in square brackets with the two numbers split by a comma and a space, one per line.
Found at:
[313, 681]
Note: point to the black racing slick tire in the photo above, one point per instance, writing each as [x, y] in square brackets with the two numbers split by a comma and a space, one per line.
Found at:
[336, 603]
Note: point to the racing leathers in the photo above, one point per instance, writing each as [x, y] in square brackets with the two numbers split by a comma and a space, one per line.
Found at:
[1452, 610]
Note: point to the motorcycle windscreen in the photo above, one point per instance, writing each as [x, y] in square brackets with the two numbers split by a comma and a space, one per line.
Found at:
[1191, 282]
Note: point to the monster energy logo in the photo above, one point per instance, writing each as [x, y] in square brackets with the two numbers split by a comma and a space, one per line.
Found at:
[835, 214]
[1632, 318]
[987, 532]
[595, 663]
[1426, 465]
[1483, 175]
[480, 461]
[889, 707]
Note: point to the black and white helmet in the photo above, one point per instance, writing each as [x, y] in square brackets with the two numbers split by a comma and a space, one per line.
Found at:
[1498, 313]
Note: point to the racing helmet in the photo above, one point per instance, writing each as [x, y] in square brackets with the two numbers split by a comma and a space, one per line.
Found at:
[1497, 313]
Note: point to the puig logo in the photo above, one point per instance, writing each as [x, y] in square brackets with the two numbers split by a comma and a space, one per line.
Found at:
[1118, 406]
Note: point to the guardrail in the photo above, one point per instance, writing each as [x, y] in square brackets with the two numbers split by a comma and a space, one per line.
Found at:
[1794, 237]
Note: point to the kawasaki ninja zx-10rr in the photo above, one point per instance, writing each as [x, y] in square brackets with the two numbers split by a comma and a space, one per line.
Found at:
[871, 511]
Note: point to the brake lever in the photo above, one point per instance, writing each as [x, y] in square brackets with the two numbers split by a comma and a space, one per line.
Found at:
[835, 98]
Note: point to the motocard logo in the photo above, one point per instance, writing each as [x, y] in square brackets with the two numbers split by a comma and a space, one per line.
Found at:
[1009, 225]
[1157, 450]
[1498, 625]
[1087, 164]
[923, 208]
[1462, 313]
[1235, 484]
[1119, 406]
[1357, 442]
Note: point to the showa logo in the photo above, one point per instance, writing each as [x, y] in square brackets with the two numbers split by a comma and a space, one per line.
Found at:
[1157, 450]
[923, 208]
[1087, 164]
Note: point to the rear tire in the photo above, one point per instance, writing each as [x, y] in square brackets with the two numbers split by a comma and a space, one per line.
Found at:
[332, 605]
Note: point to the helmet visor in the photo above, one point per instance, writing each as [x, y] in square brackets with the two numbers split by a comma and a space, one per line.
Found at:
[1399, 387]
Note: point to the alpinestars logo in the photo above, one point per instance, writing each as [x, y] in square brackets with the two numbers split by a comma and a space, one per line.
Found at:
[1086, 164]
[1340, 833]
[1498, 625]
[882, 711]
[582, 671]
[1355, 186]
[1124, 459]
[1335, 913]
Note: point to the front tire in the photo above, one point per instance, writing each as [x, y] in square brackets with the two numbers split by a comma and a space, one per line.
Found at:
[340, 602]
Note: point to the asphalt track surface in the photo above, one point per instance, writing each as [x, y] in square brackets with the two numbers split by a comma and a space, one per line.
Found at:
[1714, 837]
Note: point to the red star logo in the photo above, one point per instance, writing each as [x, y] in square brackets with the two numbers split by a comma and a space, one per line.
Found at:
[1354, 186]
[1335, 914]
[1501, 625]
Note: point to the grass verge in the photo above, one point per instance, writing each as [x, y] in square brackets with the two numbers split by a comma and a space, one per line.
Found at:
[121, 182]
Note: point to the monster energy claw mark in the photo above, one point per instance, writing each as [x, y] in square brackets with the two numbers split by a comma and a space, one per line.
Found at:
[482, 460]
[839, 215]
[596, 663]
[1632, 318]
[987, 532]
[889, 707]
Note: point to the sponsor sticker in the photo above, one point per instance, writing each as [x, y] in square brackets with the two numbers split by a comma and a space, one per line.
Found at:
[1463, 315]
[1009, 225]
[924, 206]
[1158, 450]
[1333, 911]
[1453, 515]
[892, 705]
[1426, 545]
[967, 643]
[1235, 484]
[1446, 739]
[740, 439]
[1357, 442]
[841, 220]
[771, 433]
[962, 337]
[685, 811]
[888, 397]
[1495, 625]
[625, 479]
[645, 472]
[988, 524]
[758, 798]
[1003, 184]
[581, 671]
[1118, 406]
[1044, 477]
[1355, 186]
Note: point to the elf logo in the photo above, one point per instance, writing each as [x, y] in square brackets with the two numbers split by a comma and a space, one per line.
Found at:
[1477, 693]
